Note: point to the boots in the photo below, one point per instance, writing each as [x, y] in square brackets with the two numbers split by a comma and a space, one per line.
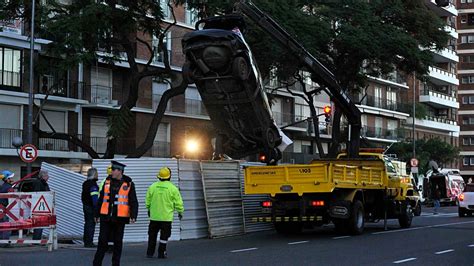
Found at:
[162, 251]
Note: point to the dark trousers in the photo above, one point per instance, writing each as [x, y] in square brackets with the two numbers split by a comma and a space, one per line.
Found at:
[117, 229]
[89, 224]
[153, 229]
[37, 234]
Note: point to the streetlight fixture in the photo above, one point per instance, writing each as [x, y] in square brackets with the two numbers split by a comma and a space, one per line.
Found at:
[29, 138]
[191, 146]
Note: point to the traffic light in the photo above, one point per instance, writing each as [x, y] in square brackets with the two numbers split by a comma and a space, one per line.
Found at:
[327, 113]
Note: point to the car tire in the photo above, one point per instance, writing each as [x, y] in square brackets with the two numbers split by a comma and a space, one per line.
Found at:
[406, 215]
[271, 138]
[461, 212]
[240, 68]
[356, 220]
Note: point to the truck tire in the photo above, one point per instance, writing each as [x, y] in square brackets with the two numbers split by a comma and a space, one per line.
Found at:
[288, 228]
[406, 215]
[356, 221]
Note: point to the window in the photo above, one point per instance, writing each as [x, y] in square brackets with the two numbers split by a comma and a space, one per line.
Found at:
[470, 38]
[471, 141]
[10, 68]
[59, 122]
[465, 161]
[463, 1]
[165, 9]
[463, 19]
[192, 16]
[101, 85]
[465, 100]
[159, 54]
[471, 160]
[194, 105]
[465, 141]
[465, 121]
[158, 90]
[464, 39]
[98, 133]
[471, 99]
[467, 79]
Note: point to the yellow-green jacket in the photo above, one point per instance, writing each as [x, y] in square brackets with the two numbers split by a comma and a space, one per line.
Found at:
[162, 199]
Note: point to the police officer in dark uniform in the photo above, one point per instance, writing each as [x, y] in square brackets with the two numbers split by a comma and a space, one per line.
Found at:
[117, 206]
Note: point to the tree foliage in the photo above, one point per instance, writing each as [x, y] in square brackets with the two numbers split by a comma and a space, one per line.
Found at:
[109, 31]
[432, 149]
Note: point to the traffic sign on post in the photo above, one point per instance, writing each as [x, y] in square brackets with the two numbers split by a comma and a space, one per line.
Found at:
[28, 153]
[414, 162]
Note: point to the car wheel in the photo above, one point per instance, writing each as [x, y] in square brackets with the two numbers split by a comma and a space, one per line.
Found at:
[240, 68]
[461, 212]
[356, 221]
[406, 216]
[271, 138]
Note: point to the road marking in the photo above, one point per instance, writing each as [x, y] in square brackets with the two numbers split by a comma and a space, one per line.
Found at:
[471, 246]
[438, 215]
[243, 250]
[419, 228]
[444, 251]
[340, 237]
[403, 261]
[299, 242]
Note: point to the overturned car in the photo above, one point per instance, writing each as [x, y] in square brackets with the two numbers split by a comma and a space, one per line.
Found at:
[220, 63]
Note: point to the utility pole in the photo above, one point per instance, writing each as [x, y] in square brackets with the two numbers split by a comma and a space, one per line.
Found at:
[30, 95]
[414, 111]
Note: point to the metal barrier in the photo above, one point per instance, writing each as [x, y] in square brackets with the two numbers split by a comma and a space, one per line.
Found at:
[32, 210]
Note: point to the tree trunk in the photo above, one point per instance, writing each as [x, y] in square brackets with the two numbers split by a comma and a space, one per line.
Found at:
[150, 137]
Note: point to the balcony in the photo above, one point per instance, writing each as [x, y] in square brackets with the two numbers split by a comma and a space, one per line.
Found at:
[446, 55]
[452, 31]
[438, 100]
[382, 133]
[436, 123]
[447, 11]
[283, 119]
[6, 137]
[442, 77]
[101, 95]
[63, 88]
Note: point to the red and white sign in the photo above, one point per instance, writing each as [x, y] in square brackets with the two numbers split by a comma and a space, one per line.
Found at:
[41, 205]
[414, 162]
[28, 153]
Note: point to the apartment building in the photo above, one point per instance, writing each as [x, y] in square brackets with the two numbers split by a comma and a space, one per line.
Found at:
[436, 98]
[81, 98]
[465, 50]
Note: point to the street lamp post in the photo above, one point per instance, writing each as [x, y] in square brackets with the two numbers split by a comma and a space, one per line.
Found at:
[30, 95]
[414, 111]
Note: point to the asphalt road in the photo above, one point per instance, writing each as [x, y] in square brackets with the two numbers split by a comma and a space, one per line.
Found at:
[444, 239]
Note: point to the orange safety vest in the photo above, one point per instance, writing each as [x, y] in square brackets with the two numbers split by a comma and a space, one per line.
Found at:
[121, 200]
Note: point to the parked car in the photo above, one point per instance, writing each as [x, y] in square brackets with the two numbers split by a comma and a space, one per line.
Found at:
[220, 63]
[466, 201]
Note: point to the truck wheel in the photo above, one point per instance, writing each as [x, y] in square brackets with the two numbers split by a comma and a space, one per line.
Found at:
[288, 227]
[406, 216]
[356, 221]
[417, 211]
[461, 212]
[240, 68]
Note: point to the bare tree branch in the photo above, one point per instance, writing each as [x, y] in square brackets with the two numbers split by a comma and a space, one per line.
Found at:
[150, 49]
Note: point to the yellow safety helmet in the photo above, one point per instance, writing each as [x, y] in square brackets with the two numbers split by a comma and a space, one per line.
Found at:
[109, 170]
[165, 173]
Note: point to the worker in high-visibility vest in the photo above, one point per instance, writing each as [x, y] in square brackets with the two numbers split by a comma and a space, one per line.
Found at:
[109, 172]
[90, 198]
[162, 200]
[118, 206]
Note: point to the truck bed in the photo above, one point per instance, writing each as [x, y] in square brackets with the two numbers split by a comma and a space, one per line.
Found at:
[318, 177]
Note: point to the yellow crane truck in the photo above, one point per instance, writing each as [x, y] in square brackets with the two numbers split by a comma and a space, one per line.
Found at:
[347, 192]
